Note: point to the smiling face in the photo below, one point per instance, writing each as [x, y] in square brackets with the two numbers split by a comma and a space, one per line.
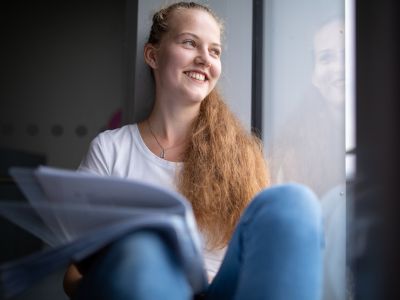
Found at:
[329, 72]
[186, 63]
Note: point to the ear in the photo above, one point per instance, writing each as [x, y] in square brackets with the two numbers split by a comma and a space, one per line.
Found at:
[150, 55]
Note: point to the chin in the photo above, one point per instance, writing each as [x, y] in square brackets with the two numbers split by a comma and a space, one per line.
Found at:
[197, 98]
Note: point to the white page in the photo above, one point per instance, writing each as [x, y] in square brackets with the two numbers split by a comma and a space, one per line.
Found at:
[80, 205]
[65, 186]
[29, 185]
[70, 186]
[25, 216]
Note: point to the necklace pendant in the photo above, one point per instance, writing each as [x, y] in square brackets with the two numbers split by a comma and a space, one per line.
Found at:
[162, 154]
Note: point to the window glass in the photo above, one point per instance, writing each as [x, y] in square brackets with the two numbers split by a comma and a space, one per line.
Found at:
[304, 113]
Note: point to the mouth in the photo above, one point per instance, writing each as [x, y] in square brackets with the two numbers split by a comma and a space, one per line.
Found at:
[199, 76]
[338, 83]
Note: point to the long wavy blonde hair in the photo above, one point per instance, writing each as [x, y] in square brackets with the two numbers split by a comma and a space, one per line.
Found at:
[223, 166]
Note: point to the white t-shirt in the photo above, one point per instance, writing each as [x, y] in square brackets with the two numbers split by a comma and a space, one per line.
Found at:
[122, 152]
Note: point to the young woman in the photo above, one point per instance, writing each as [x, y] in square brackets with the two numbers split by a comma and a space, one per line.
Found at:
[191, 142]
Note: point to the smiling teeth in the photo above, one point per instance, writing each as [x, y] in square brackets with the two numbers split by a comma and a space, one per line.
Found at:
[197, 76]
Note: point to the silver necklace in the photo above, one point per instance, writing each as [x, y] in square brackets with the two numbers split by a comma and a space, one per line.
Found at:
[162, 154]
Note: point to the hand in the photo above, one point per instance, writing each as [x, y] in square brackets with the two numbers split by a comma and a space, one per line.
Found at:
[72, 278]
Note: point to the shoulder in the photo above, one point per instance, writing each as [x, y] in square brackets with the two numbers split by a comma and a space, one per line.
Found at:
[116, 141]
[117, 135]
[106, 147]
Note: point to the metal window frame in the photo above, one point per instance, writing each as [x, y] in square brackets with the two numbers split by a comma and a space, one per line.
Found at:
[257, 69]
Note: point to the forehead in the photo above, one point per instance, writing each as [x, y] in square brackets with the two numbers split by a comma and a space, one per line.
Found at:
[196, 21]
[330, 36]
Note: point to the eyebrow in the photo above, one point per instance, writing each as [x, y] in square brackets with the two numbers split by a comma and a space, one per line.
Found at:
[197, 37]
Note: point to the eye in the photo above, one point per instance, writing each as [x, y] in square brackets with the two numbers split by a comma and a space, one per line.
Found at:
[189, 43]
[326, 57]
[215, 52]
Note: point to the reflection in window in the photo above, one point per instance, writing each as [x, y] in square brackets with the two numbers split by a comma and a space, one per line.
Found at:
[309, 146]
[304, 109]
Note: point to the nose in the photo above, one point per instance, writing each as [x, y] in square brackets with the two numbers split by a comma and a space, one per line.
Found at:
[203, 58]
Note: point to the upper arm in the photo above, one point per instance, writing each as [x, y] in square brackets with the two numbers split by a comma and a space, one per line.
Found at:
[95, 160]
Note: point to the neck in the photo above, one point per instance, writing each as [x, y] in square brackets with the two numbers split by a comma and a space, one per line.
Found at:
[171, 124]
[167, 129]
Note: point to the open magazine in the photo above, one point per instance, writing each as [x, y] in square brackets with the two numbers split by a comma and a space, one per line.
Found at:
[77, 214]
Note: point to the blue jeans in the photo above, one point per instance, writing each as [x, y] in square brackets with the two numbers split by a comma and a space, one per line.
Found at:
[275, 253]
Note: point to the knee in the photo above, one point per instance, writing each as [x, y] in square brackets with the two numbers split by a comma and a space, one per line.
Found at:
[291, 205]
[143, 244]
[116, 267]
[135, 241]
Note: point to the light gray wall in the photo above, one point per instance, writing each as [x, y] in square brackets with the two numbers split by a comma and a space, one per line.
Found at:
[235, 82]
